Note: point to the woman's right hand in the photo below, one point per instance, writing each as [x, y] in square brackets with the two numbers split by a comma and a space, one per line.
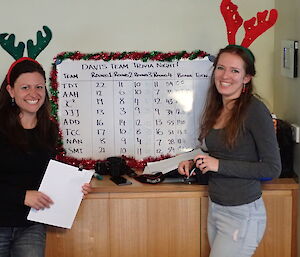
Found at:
[37, 200]
[184, 167]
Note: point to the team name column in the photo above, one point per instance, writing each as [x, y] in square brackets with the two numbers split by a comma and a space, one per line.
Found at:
[74, 112]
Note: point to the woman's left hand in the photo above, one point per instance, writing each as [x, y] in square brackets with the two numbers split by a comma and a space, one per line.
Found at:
[206, 163]
[86, 188]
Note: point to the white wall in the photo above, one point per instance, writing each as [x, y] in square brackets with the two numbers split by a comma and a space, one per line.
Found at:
[133, 25]
[287, 90]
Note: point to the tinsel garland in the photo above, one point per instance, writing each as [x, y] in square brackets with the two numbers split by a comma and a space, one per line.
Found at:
[90, 164]
[143, 56]
[108, 56]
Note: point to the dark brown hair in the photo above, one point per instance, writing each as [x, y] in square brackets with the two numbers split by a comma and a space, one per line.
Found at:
[214, 103]
[10, 124]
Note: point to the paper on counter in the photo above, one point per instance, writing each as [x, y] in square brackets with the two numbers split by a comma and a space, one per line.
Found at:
[169, 164]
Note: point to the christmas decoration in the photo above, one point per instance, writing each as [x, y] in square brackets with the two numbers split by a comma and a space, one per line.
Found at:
[109, 56]
[33, 50]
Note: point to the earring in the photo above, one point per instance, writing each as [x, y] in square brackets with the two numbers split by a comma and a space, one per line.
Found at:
[13, 103]
[244, 88]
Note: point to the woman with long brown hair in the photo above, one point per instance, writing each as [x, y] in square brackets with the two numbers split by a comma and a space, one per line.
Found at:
[239, 135]
[27, 143]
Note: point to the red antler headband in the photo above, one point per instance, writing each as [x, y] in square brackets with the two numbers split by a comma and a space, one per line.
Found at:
[233, 22]
[15, 63]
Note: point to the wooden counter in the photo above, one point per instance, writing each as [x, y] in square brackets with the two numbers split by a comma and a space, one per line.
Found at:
[164, 220]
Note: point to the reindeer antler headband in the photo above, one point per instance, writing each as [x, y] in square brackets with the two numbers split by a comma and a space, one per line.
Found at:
[17, 52]
[33, 49]
[254, 27]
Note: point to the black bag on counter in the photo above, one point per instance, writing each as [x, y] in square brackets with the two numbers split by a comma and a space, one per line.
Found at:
[285, 141]
[173, 177]
[114, 166]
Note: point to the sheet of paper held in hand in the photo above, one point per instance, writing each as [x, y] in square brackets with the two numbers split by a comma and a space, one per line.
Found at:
[169, 164]
[63, 184]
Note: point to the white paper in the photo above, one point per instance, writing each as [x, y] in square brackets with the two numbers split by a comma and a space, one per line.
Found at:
[63, 184]
[169, 164]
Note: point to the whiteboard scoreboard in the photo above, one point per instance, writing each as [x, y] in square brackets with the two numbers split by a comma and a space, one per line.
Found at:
[130, 107]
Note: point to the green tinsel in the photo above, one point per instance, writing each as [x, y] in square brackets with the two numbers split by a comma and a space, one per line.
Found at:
[53, 92]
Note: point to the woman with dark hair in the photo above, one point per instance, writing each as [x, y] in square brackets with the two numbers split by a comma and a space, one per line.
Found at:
[27, 142]
[239, 136]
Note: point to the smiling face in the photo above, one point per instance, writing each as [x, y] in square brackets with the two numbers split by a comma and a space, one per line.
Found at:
[29, 92]
[230, 76]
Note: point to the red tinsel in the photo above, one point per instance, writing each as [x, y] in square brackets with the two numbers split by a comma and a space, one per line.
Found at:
[96, 57]
[53, 77]
[115, 56]
[89, 164]
[54, 98]
[77, 56]
[186, 55]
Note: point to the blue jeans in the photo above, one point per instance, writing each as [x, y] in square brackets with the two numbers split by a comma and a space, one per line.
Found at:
[235, 231]
[23, 241]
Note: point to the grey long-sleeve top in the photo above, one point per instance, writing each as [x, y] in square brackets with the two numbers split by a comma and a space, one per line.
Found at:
[255, 156]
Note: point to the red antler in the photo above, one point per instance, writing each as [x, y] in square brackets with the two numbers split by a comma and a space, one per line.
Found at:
[253, 31]
[232, 19]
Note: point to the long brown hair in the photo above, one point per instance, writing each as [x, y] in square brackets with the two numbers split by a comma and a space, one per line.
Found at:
[214, 103]
[10, 124]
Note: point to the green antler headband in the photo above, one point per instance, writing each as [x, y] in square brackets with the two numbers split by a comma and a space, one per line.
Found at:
[33, 50]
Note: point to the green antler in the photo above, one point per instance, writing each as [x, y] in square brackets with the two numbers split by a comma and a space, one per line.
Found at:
[42, 42]
[9, 46]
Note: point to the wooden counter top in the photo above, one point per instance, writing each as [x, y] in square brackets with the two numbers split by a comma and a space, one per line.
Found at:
[166, 219]
[107, 186]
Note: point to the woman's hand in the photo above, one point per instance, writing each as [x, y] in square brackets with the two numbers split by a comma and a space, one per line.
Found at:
[86, 188]
[37, 200]
[206, 163]
[184, 167]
